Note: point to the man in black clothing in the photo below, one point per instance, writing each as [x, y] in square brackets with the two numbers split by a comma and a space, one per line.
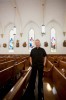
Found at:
[37, 61]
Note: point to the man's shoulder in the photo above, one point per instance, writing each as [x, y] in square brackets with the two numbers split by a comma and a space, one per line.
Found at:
[33, 49]
[41, 48]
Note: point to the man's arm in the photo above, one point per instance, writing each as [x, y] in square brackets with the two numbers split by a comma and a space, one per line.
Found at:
[45, 58]
[31, 61]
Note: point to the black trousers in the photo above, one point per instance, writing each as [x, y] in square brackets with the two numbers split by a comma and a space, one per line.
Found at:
[32, 81]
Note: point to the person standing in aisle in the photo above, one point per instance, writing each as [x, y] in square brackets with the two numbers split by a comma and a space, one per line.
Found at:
[37, 60]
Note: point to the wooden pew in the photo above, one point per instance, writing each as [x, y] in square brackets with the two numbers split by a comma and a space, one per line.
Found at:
[6, 80]
[64, 59]
[58, 77]
[19, 88]
[1, 61]
[6, 64]
[60, 83]
[62, 64]
[11, 70]
[18, 68]
[48, 69]
[1, 58]
[19, 59]
[13, 74]
[51, 59]
[56, 61]
[5, 75]
[27, 64]
[8, 58]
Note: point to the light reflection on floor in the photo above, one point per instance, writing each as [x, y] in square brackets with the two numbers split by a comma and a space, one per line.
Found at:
[50, 92]
[48, 87]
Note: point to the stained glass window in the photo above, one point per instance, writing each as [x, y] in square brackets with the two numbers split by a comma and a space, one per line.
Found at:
[53, 40]
[11, 40]
[31, 39]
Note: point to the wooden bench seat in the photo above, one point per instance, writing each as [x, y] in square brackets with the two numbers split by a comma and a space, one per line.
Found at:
[19, 88]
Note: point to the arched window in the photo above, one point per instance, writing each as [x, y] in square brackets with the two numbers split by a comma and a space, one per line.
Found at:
[11, 41]
[53, 40]
[31, 39]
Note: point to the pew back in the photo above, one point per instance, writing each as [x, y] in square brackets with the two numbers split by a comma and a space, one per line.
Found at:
[62, 64]
[6, 64]
[5, 75]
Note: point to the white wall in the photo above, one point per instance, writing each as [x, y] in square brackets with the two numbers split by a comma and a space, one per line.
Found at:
[29, 15]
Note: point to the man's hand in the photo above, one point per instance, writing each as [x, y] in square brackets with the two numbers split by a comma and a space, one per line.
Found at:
[30, 61]
[45, 58]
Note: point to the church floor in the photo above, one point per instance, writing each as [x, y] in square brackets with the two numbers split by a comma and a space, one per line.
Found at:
[49, 91]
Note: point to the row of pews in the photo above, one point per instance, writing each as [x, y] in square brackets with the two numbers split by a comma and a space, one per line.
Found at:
[56, 71]
[15, 73]
[14, 76]
[55, 59]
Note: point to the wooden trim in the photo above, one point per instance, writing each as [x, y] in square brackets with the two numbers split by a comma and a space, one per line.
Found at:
[60, 73]
[29, 54]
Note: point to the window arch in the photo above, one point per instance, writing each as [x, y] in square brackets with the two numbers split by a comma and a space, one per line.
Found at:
[31, 39]
[11, 41]
[53, 40]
